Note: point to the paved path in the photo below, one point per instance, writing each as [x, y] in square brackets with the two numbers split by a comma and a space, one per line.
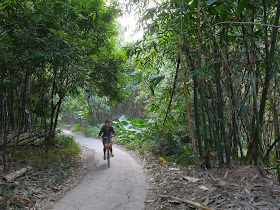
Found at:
[122, 186]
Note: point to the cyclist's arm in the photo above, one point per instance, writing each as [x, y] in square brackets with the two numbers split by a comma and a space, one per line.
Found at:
[113, 131]
[101, 131]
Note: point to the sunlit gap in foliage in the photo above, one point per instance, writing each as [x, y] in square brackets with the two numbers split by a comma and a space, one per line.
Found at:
[133, 31]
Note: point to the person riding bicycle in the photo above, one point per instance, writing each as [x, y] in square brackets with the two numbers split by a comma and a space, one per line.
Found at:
[106, 131]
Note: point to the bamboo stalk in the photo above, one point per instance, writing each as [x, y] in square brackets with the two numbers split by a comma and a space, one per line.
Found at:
[196, 162]
[195, 81]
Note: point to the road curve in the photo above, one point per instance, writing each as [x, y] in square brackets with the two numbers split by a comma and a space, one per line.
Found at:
[122, 186]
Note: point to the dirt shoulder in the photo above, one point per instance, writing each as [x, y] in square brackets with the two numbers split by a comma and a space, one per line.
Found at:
[241, 187]
[38, 189]
[84, 163]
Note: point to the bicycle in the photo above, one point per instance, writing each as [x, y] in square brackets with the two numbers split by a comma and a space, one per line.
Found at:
[108, 146]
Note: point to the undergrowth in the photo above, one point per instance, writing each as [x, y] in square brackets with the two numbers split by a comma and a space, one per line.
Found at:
[63, 154]
[138, 134]
[88, 130]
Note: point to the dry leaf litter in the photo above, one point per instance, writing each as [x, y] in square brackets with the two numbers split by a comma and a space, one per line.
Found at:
[38, 190]
[239, 188]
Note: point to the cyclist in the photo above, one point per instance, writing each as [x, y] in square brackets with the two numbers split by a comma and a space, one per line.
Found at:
[106, 131]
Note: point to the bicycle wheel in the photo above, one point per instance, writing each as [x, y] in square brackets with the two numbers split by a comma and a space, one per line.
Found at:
[108, 157]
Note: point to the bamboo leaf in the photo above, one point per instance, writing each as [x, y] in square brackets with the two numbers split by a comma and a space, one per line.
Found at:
[154, 82]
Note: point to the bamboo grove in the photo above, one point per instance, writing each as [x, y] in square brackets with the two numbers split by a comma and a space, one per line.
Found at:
[50, 50]
[206, 72]
[229, 56]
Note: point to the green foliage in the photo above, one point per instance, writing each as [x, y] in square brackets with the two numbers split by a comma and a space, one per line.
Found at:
[77, 128]
[139, 134]
[133, 133]
[241, 6]
[216, 61]
[88, 131]
[209, 2]
[62, 156]
[154, 82]
[52, 50]
[184, 156]
[91, 131]
[63, 149]
[131, 129]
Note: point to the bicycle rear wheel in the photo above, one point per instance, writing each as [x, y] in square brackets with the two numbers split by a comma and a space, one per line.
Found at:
[108, 157]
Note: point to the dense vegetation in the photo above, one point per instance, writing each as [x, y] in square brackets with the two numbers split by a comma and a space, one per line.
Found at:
[50, 50]
[204, 79]
[230, 56]
[224, 64]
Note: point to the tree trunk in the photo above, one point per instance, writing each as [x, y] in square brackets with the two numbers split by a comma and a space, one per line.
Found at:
[53, 107]
[57, 114]
[12, 176]
[21, 115]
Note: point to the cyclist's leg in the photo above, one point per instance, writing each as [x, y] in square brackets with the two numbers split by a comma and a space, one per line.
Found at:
[112, 152]
[104, 149]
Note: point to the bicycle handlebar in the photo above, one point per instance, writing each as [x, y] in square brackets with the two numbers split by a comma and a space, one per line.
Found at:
[108, 137]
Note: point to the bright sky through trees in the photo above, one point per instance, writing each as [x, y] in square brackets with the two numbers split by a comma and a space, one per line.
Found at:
[129, 23]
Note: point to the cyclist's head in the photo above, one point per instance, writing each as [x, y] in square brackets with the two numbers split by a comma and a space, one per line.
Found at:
[107, 123]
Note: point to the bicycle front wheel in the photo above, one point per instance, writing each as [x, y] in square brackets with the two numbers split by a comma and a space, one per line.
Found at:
[108, 157]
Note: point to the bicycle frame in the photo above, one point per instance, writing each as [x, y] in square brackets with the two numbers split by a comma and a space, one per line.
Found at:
[108, 146]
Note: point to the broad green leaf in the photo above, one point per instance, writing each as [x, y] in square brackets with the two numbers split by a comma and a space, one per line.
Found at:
[138, 121]
[124, 119]
[241, 6]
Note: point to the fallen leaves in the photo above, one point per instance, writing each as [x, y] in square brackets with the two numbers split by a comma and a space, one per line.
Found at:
[190, 179]
[38, 189]
[17, 199]
[237, 188]
[204, 188]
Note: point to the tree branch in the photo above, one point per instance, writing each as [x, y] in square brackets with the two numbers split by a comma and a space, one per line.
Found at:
[247, 23]
[270, 148]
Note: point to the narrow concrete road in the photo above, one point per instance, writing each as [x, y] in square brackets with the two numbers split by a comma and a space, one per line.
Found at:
[122, 186]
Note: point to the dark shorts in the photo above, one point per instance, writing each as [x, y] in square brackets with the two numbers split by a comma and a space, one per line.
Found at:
[105, 140]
